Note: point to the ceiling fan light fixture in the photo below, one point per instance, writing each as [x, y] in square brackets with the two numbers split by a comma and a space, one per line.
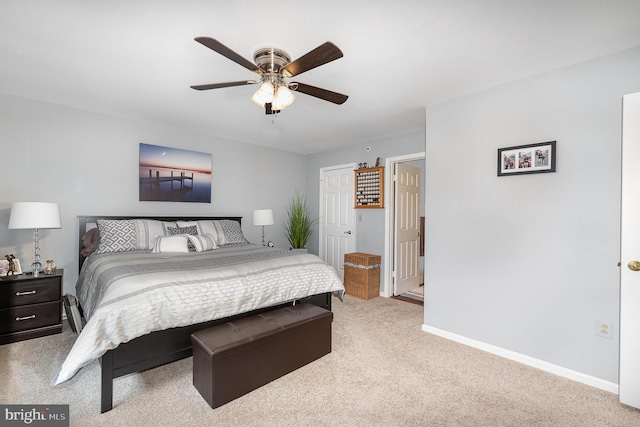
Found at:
[255, 99]
[283, 98]
[264, 94]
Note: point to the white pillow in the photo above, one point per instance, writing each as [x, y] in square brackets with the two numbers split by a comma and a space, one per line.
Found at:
[204, 242]
[177, 243]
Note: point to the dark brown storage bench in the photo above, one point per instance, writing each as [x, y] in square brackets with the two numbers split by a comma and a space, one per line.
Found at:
[234, 358]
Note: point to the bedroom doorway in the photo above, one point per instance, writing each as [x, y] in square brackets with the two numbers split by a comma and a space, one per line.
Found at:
[337, 216]
[406, 229]
[406, 266]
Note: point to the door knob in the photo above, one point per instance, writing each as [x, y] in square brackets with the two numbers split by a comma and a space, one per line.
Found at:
[634, 265]
[349, 232]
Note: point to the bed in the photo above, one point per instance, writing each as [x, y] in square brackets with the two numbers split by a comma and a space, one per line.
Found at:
[142, 303]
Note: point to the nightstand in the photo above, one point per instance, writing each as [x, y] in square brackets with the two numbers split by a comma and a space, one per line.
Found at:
[30, 307]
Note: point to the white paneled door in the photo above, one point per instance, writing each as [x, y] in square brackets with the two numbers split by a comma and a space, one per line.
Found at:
[337, 224]
[407, 228]
[629, 377]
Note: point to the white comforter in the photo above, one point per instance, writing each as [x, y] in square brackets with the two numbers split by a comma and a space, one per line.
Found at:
[125, 296]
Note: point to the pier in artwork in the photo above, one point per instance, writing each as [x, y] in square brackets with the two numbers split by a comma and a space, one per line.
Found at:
[158, 179]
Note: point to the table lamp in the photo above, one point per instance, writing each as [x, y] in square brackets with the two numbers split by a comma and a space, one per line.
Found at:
[34, 215]
[263, 217]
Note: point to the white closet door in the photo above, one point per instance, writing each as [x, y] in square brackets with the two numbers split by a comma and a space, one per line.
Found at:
[337, 224]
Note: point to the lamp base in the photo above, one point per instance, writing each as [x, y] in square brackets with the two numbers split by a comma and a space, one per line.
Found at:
[36, 268]
[36, 265]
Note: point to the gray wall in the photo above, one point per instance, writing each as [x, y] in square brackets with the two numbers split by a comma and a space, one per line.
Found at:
[529, 263]
[88, 164]
[370, 228]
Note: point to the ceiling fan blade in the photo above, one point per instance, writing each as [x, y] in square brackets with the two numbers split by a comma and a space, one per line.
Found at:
[225, 84]
[223, 50]
[319, 56]
[327, 95]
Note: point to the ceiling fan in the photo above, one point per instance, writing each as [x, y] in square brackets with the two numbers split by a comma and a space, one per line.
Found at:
[274, 66]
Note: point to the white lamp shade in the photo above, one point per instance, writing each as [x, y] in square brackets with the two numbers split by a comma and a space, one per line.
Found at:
[263, 217]
[34, 215]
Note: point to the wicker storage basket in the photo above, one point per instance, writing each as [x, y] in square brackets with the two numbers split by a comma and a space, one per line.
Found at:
[362, 275]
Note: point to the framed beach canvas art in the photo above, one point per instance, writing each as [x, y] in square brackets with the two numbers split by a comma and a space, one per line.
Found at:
[174, 175]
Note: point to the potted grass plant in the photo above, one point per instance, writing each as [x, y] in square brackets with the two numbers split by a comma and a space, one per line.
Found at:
[299, 225]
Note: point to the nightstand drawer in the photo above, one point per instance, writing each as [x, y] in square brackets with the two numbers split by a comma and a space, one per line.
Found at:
[19, 318]
[25, 291]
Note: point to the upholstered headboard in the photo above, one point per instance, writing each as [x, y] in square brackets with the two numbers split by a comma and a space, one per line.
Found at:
[87, 222]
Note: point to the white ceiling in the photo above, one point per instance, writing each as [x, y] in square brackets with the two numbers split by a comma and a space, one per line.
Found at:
[138, 58]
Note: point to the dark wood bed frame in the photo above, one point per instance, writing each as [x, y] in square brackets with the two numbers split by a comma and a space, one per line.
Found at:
[160, 347]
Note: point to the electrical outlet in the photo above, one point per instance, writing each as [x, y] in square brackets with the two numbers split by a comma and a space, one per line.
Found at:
[604, 329]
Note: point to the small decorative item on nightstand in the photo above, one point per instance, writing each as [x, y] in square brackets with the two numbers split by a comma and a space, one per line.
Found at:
[49, 267]
[10, 267]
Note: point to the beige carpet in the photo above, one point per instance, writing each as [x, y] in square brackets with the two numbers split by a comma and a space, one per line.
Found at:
[383, 371]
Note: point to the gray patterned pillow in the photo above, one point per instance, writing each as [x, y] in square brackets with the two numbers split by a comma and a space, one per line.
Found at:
[172, 231]
[232, 232]
[120, 235]
[116, 236]
[211, 227]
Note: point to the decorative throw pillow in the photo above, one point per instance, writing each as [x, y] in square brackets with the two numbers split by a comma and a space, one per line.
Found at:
[164, 244]
[212, 227]
[232, 232]
[90, 242]
[204, 227]
[185, 224]
[116, 236]
[172, 231]
[129, 234]
[203, 242]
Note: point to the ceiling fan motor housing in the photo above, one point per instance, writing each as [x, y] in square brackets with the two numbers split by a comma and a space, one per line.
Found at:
[271, 60]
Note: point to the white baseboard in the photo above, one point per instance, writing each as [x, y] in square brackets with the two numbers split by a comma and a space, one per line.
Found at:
[526, 360]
